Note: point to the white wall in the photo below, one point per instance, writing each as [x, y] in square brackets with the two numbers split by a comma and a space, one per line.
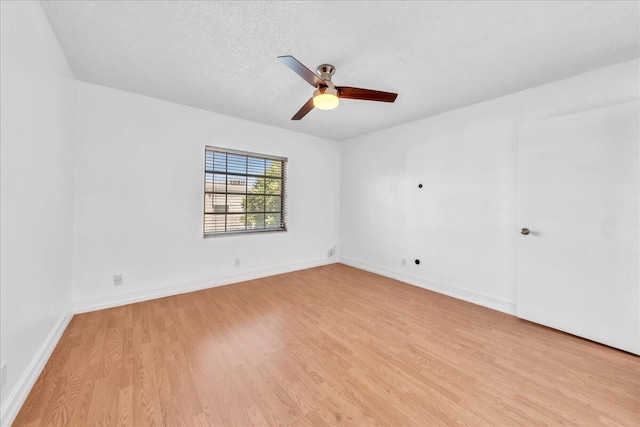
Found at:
[139, 199]
[462, 223]
[38, 100]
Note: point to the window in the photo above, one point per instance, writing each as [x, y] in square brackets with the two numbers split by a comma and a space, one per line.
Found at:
[243, 192]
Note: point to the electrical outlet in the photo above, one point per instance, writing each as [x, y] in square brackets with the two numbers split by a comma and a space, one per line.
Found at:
[3, 375]
[236, 262]
[117, 280]
[404, 262]
[332, 252]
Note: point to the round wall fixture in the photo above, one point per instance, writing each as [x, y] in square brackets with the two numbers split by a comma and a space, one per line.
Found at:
[417, 262]
[419, 185]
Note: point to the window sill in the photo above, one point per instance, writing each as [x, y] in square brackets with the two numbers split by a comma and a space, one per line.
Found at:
[243, 232]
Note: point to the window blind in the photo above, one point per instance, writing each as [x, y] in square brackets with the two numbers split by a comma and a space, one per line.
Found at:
[243, 192]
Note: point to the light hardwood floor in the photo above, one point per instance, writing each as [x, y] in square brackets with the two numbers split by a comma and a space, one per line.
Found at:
[324, 346]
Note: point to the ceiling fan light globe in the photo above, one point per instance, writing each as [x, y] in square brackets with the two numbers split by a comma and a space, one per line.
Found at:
[326, 99]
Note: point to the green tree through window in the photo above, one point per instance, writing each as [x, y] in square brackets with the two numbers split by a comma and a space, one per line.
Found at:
[263, 203]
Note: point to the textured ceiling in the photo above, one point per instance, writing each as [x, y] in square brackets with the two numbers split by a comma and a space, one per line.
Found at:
[221, 56]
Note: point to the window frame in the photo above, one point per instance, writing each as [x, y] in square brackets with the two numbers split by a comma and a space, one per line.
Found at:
[247, 175]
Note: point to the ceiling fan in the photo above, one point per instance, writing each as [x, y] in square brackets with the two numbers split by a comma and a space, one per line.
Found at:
[327, 96]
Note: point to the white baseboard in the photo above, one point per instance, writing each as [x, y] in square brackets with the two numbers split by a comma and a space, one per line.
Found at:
[473, 297]
[21, 390]
[167, 291]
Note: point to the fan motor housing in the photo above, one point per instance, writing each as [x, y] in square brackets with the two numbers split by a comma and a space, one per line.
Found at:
[326, 71]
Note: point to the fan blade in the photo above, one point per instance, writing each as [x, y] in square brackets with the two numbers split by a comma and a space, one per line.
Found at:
[311, 77]
[304, 110]
[365, 94]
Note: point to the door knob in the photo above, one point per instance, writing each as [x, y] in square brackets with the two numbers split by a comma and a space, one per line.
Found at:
[524, 231]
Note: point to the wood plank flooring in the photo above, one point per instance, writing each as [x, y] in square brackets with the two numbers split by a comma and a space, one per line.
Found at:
[326, 346]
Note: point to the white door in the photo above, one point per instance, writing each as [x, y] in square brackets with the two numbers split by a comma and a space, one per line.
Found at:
[578, 193]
